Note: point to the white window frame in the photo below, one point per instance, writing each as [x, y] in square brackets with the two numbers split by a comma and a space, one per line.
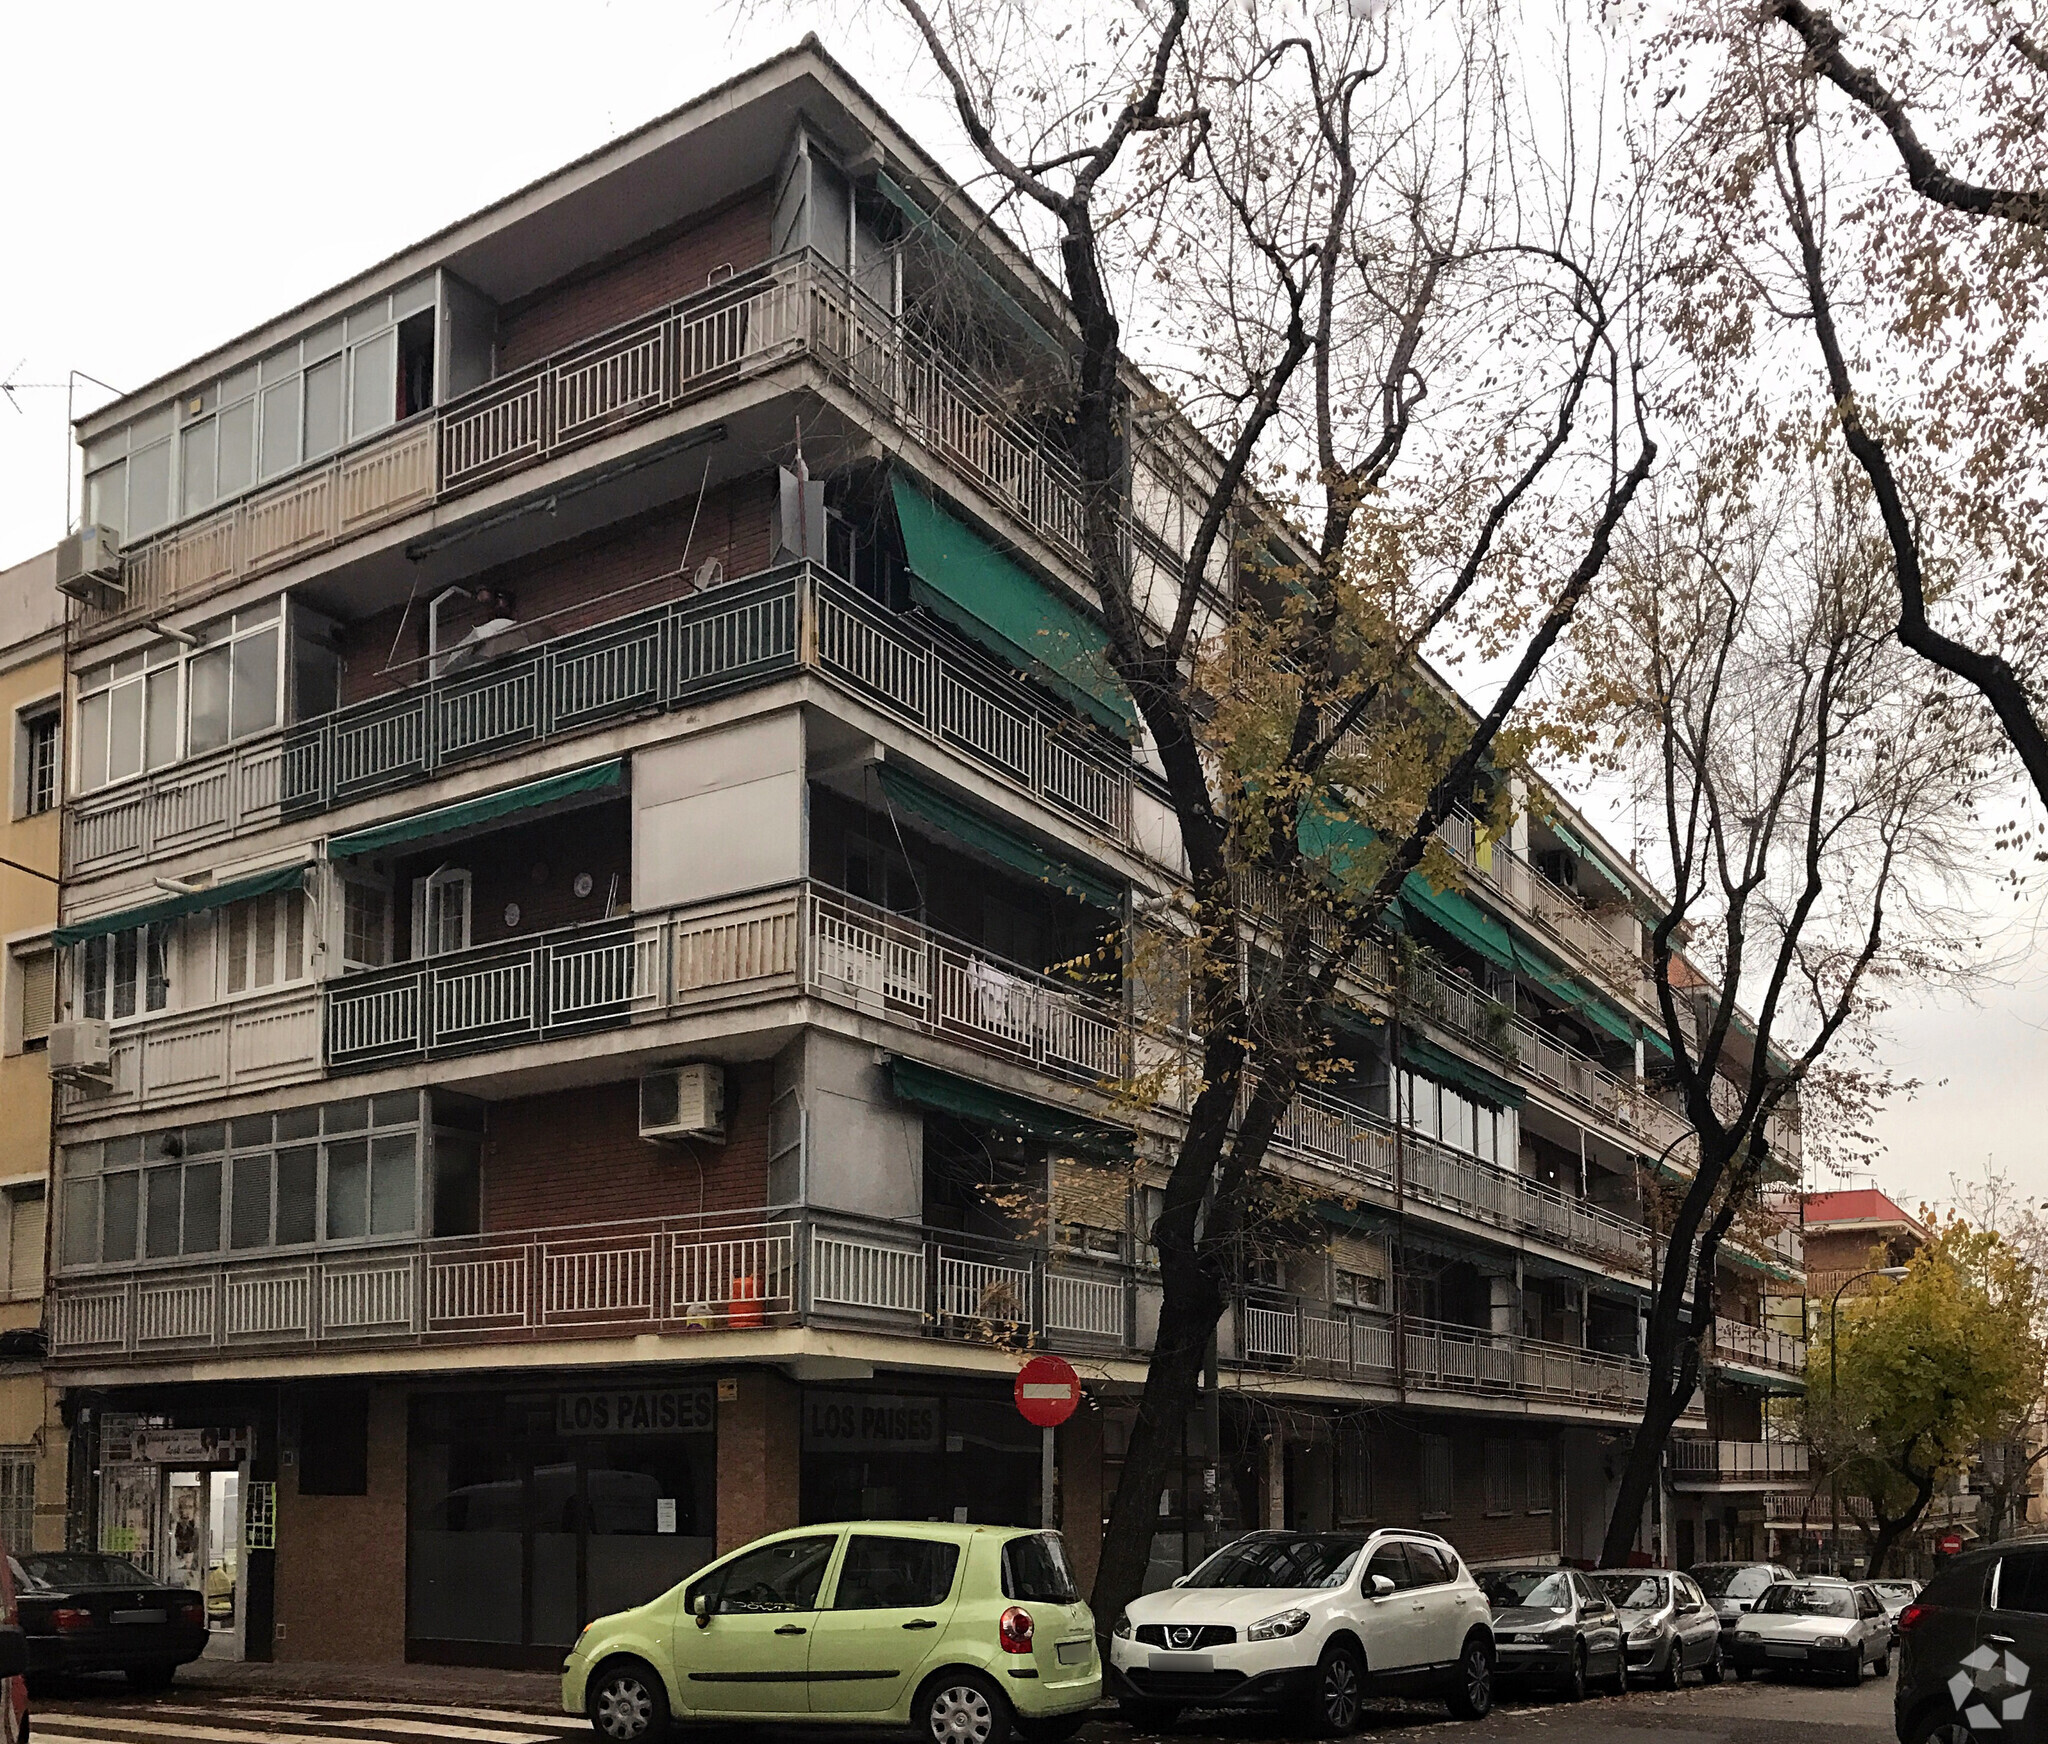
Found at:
[277, 904]
[382, 886]
[76, 994]
[450, 878]
[29, 717]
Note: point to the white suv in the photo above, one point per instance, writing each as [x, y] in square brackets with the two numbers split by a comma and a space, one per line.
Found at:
[1308, 1622]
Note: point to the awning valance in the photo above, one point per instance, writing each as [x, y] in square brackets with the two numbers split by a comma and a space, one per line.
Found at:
[959, 576]
[192, 902]
[1019, 1116]
[447, 819]
[999, 844]
[1419, 1055]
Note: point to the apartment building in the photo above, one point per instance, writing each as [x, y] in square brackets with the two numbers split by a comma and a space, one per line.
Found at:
[589, 754]
[32, 1439]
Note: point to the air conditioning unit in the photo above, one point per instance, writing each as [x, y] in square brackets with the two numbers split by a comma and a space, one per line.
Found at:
[82, 1048]
[683, 1102]
[89, 568]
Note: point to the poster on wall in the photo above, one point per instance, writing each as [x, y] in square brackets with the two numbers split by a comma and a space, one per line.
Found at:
[136, 1440]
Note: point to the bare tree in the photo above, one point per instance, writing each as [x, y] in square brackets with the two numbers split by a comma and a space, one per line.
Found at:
[1397, 308]
[1812, 788]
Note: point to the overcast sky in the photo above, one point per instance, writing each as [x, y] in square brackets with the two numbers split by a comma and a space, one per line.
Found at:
[176, 174]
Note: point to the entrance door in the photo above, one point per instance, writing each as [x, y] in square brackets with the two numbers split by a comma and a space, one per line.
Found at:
[224, 1563]
[182, 1558]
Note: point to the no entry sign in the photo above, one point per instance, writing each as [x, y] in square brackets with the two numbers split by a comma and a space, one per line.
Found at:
[1047, 1391]
[1950, 1544]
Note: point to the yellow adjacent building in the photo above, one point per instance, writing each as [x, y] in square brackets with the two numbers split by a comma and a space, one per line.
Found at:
[32, 1437]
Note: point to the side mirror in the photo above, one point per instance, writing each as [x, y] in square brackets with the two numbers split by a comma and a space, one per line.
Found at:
[1381, 1586]
[700, 1608]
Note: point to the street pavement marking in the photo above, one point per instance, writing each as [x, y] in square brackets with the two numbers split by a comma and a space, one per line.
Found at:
[508, 1716]
[104, 1728]
[434, 1729]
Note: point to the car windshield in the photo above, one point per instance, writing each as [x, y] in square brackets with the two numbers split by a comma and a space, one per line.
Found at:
[1282, 1559]
[1536, 1589]
[1790, 1601]
[1732, 1580]
[83, 1569]
[1631, 1592]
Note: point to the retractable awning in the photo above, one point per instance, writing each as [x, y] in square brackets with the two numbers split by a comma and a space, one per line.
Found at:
[1002, 845]
[959, 576]
[191, 902]
[1447, 1068]
[447, 819]
[1019, 1116]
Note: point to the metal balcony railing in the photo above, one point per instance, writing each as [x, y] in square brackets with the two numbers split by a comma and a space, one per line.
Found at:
[1737, 1461]
[784, 619]
[1759, 1347]
[797, 306]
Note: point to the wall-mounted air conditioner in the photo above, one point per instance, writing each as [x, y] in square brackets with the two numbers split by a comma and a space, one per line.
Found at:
[82, 1049]
[683, 1102]
[89, 568]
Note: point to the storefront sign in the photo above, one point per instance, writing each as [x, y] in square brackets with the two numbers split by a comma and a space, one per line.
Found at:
[636, 1411]
[155, 1445]
[870, 1423]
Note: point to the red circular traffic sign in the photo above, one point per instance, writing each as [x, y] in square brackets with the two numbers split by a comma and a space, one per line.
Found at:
[1047, 1391]
[1950, 1544]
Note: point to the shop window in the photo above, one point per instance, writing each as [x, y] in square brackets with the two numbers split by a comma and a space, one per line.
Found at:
[18, 1497]
[124, 974]
[1500, 1476]
[1436, 1477]
[778, 1577]
[334, 1443]
[35, 759]
[892, 1574]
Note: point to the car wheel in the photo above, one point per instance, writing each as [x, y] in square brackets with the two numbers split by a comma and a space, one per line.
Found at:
[1337, 1696]
[1573, 1689]
[1147, 1716]
[150, 1677]
[1673, 1675]
[1716, 1668]
[1883, 1667]
[963, 1707]
[627, 1703]
[1471, 1693]
[1621, 1671]
[1936, 1727]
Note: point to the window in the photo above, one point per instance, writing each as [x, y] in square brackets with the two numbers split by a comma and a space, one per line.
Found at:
[1360, 1290]
[2023, 1582]
[1500, 1476]
[35, 760]
[343, 1173]
[23, 1205]
[1035, 1568]
[365, 924]
[1091, 1238]
[128, 476]
[1436, 1476]
[128, 715]
[440, 913]
[1542, 1486]
[124, 974]
[1432, 1566]
[1390, 1562]
[893, 1574]
[33, 985]
[234, 681]
[1439, 1112]
[784, 1576]
[1354, 1474]
[262, 941]
[18, 1498]
[334, 1442]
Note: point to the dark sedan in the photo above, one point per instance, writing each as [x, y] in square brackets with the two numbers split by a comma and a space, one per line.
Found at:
[84, 1611]
[1551, 1626]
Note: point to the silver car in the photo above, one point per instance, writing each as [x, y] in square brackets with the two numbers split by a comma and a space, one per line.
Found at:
[1799, 1626]
[1668, 1625]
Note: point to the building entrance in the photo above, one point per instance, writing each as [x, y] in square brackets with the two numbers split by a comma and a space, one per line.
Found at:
[173, 1500]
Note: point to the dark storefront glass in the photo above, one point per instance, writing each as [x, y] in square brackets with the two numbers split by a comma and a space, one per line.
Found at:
[531, 1514]
[918, 1456]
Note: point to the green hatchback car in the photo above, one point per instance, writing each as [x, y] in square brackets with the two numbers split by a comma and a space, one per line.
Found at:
[968, 1633]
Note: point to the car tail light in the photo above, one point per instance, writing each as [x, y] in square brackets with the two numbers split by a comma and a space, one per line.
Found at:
[71, 1617]
[1910, 1617]
[191, 1611]
[1014, 1631]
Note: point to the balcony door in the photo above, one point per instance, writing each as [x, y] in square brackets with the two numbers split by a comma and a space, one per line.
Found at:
[440, 912]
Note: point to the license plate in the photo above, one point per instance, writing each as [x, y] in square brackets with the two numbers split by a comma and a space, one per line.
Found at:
[1182, 1662]
[141, 1616]
[1784, 1650]
[1075, 1652]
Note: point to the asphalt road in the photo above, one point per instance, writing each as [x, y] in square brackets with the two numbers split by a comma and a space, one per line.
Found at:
[95, 1712]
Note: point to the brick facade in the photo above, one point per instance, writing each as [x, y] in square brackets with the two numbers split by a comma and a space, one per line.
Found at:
[576, 1156]
[341, 1567]
[758, 1440]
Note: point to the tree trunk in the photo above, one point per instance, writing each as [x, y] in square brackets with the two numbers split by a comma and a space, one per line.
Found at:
[1638, 1481]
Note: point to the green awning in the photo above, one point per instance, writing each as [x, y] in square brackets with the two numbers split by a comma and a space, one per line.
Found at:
[1586, 854]
[1653, 1039]
[961, 577]
[1567, 992]
[1447, 1068]
[1002, 845]
[922, 220]
[1019, 1116]
[194, 902]
[598, 778]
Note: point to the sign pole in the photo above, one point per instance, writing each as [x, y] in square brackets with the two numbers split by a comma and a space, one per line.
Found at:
[1047, 1391]
[1046, 1479]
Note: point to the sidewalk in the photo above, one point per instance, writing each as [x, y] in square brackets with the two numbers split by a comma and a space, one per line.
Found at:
[463, 1685]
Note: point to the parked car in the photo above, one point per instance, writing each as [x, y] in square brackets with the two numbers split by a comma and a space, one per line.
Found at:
[968, 1633]
[1803, 1626]
[1308, 1623]
[1668, 1625]
[1972, 1646]
[1732, 1587]
[1552, 1625]
[86, 1611]
[1895, 1596]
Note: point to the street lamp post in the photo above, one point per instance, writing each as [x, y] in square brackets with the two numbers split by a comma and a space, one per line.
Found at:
[1835, 1466]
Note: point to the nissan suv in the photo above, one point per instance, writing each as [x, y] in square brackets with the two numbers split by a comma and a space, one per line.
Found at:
[1308, 1623]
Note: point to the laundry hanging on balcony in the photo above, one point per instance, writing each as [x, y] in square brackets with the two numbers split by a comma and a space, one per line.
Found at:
[942, 1093]
[447, 819]
[999, 844]
[191, 902]
[958, 575]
